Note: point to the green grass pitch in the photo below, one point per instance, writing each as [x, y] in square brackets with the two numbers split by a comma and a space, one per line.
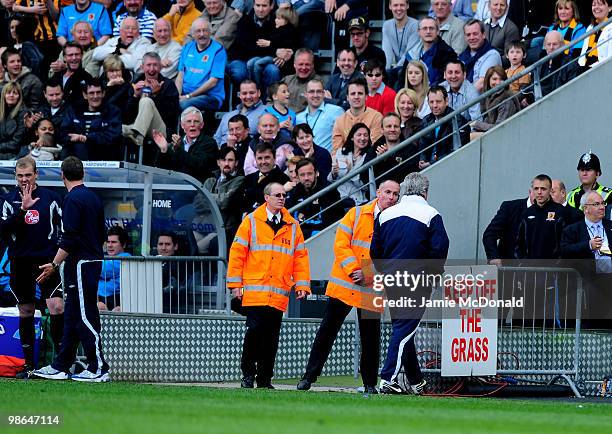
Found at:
[141, 408]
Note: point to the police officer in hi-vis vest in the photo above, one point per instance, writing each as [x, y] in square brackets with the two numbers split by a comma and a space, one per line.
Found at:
[589, 169]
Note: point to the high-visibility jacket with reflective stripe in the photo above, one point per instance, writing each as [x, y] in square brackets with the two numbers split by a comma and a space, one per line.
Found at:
[573, 197]
[352, 252]
[266, 265]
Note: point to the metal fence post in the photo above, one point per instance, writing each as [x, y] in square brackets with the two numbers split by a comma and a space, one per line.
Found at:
[145, 246]
[456, 135]
[356, 345]
[372, 182]
[537, 84]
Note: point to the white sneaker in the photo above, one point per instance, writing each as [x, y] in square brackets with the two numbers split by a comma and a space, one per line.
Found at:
[390, 388]
[418, 389]
[50, 373]
[89, 376]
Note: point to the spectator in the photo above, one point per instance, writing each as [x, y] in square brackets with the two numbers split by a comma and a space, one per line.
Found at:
[337, 84]
[31, 86]
[145, 18]
[290, 172]
[359, 30]
[396, 44]
[302, 6]
[450, 27]
[225, 186]
[499, 238]
[380, 97]
[461, 9]
[267, 172]
[82, 35]
[539, 233]
[117, 83]
[400, 164]
[319, 116]
[284, 37]
[497, 107]
[56, 106]
[22, 32]
[194, 153]
[499, 29]
[223, 21]
[567, 22]
[558, 70]
[515, 52]
[181, 16]
[201, 69]
[250, 106]
[84, 10]
[438, 143]
[43, 147]
[589, 170]
[303, 136]
[46, 15]
[74, 74]
[479, 56]
[432, 50]
[12, 128]
[257, 24]
[416, 79]
[168, 49]
[460, 91]
[278, 95]
[109, 285]
[91, 130]
[350, 157]
[304, 72]
[406, 104]
[167, 244]
[130, 46]
[238, 138]
[558, 193]
[591, 54]
[345, 10]
[269, 131]
[358, 112]
[153, 103]
[317, 215]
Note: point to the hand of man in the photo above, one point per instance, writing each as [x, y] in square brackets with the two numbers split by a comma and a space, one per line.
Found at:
[58, 66]
[341, 12]
[26, 198]
[39, 9]
[47, 271]
[596, 243]
[154, 85]
[358, 277]
[423, 164]
[497, 262]
[237, 292]
[300, 294]
[138, 88]
[330, 6]
[160, 141]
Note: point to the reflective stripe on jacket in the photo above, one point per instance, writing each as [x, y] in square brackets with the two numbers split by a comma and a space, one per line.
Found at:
[352, 252]
[268, 265]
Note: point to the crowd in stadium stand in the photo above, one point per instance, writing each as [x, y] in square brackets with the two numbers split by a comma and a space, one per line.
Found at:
[102, 80]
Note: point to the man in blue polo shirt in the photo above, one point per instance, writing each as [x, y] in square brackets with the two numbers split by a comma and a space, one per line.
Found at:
[201, 68]
[84, 10]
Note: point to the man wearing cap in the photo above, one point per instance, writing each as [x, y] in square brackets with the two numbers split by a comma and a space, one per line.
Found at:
[589, 169]
[359, 31]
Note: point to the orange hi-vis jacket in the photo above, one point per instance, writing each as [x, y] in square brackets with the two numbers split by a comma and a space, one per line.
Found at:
[266, 265]
[352, 252]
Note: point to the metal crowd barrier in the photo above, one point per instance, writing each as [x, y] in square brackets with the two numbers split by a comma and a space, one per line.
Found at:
[191, 285]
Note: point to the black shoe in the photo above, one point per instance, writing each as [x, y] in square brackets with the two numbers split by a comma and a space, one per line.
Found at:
[247, 382]
[370, 390]
[304, 384]
[265, 386]
[24, 374]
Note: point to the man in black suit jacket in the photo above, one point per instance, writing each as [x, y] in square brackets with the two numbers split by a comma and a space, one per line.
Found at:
[268, 172]
[499, 238]
[587, 243]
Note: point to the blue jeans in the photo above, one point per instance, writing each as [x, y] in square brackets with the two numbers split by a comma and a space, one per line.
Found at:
[237, 70]
[313, 5]
[202, 102]
[256, 67]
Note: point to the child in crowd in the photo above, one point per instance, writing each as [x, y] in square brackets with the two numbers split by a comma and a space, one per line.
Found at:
[278, 94]
[285, 37]
[515, 52]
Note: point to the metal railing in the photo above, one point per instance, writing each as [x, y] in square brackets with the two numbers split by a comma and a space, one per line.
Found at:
[451, 117]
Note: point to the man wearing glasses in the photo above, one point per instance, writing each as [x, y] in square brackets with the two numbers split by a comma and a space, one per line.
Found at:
[380, 96]
[359, 31]
[319, 116]
[266, 261]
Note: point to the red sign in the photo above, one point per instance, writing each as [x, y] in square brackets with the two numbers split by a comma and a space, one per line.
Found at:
[32, 217]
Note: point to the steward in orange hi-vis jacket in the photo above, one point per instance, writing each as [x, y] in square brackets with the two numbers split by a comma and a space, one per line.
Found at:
[348, 287]
[267, 259]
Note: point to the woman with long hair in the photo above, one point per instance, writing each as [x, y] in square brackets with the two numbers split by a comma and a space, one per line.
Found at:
[418, 80]
[499, 106]
[598, 46]
[43, 148]
[406, 103]
[347, 159]
[12, 127]
[567, 22]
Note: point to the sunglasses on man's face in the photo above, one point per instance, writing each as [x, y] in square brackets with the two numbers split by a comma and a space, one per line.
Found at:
[370, 74]
[279, 195]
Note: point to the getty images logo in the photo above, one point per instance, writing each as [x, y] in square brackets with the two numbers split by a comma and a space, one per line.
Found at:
[162, 203]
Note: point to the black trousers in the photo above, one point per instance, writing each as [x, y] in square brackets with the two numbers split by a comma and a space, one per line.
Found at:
[81, 318]
[261, 342]
[369, 331]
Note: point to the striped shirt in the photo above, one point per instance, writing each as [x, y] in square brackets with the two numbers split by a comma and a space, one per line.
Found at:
[146, 20]
[46, 27]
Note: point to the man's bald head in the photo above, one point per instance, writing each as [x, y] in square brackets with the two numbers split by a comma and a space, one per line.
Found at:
[387, 194]
[558, 192]
[594, 206]
[268, 127]
[553, 41]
